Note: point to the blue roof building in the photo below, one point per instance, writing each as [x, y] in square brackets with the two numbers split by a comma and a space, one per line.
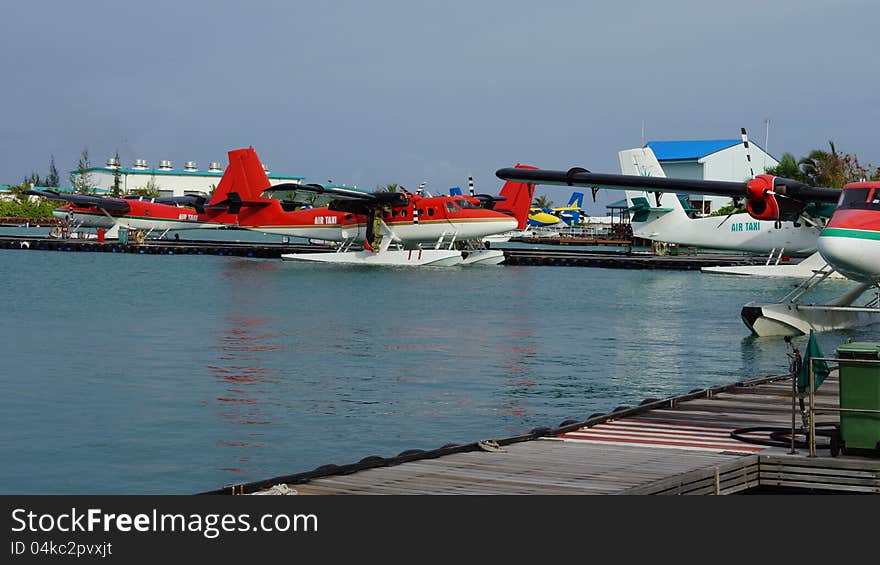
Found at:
[689, 150]
[711, 159]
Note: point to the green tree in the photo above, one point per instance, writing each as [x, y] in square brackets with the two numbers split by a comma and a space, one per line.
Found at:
[832, 169]
[53, 180]
[50, 180]
[787, 168]
[116, 189]
[149, 190]
[33, 180]
[543, 201]
[81, 178]
[23, 206]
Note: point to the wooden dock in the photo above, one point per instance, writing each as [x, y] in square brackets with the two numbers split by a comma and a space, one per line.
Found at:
[679, 445]
[628, 260]
[572, 240]
[160, 247]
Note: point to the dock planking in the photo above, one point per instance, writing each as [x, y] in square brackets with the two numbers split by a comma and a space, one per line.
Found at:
[161, 247]
[632, 451]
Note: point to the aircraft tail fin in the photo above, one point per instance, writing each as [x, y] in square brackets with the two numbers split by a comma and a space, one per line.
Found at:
[640, 161]
[244, 177]
[518, 198]
[647, 207]
[577, 199]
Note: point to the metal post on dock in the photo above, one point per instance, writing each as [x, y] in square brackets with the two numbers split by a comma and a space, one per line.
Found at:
[812, 438]
[793, 409]
[795, 366]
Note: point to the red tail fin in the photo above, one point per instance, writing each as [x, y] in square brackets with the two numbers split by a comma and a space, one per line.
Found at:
[519, 198]
[244, 175]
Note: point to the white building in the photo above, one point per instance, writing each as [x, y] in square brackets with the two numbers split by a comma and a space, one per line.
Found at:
[711, 159]
[166, 179]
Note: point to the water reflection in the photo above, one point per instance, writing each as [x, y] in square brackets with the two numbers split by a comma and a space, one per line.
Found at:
[244, 351]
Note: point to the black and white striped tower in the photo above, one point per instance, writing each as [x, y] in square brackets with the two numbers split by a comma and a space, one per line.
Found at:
[745, 139]
[471, 185]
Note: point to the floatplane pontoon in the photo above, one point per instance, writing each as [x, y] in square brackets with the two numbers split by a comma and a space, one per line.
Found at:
[391, 254]
[792, 316]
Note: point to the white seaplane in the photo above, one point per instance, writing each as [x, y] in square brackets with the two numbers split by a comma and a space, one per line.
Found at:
[849, 243]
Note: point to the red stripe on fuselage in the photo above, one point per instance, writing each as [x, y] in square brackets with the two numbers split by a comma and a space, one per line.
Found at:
[855, 220]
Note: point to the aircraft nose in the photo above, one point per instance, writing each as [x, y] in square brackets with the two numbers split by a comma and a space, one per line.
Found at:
[856, 258]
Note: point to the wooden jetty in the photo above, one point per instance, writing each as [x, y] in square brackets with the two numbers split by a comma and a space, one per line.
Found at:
[627, 260]
[161, 246]
[573, 240]
[678, 445]
[513, 256]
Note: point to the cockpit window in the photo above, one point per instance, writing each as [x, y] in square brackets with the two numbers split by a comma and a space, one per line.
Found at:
[859, 199]
[451, 207]
[464, 204]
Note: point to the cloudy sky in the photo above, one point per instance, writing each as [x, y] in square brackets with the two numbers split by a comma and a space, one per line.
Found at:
[371, 93]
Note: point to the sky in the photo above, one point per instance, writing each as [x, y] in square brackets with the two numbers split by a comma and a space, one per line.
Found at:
[380, 92]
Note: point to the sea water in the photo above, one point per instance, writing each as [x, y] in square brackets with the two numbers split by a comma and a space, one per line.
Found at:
[124, 373]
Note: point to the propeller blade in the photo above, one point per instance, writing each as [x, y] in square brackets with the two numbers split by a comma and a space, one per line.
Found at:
[745, 139]
[725, 219]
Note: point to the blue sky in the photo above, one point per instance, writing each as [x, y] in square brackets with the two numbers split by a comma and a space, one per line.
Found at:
[371, 93]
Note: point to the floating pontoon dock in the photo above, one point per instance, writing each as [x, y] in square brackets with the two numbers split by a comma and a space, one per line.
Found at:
[680, 445]
[513, 256]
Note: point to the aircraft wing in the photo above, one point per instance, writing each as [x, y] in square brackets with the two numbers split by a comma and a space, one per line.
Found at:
[110, 205]
[340, 193]
[196, 201]
[580, 177]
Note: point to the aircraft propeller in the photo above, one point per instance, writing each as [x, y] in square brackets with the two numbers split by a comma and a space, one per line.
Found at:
[736, 200]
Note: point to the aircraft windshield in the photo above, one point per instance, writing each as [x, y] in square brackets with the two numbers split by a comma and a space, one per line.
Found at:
[465, 204]
[860, 199]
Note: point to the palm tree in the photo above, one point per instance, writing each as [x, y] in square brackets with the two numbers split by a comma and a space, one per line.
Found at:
[543, 202]
[832, 169]
[787, 168]
[822, 168]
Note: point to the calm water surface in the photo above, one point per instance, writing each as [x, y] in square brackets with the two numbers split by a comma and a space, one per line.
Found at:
[161, 374]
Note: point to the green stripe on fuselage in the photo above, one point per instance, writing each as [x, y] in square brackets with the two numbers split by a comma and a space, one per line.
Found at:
[846, 232]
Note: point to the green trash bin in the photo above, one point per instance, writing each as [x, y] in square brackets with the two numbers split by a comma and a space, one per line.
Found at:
[859, 388]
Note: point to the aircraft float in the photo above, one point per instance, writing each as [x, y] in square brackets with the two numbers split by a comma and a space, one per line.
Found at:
[394, 228]
[849, 243]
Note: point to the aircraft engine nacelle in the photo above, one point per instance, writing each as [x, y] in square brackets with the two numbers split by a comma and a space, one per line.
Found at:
[766, 200]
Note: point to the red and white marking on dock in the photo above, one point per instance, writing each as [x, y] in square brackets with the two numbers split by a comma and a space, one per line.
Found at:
[665, 435]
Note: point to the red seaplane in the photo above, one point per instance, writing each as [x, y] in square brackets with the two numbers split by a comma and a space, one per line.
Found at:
[139, 213]
[849, 242]
[393, 228]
